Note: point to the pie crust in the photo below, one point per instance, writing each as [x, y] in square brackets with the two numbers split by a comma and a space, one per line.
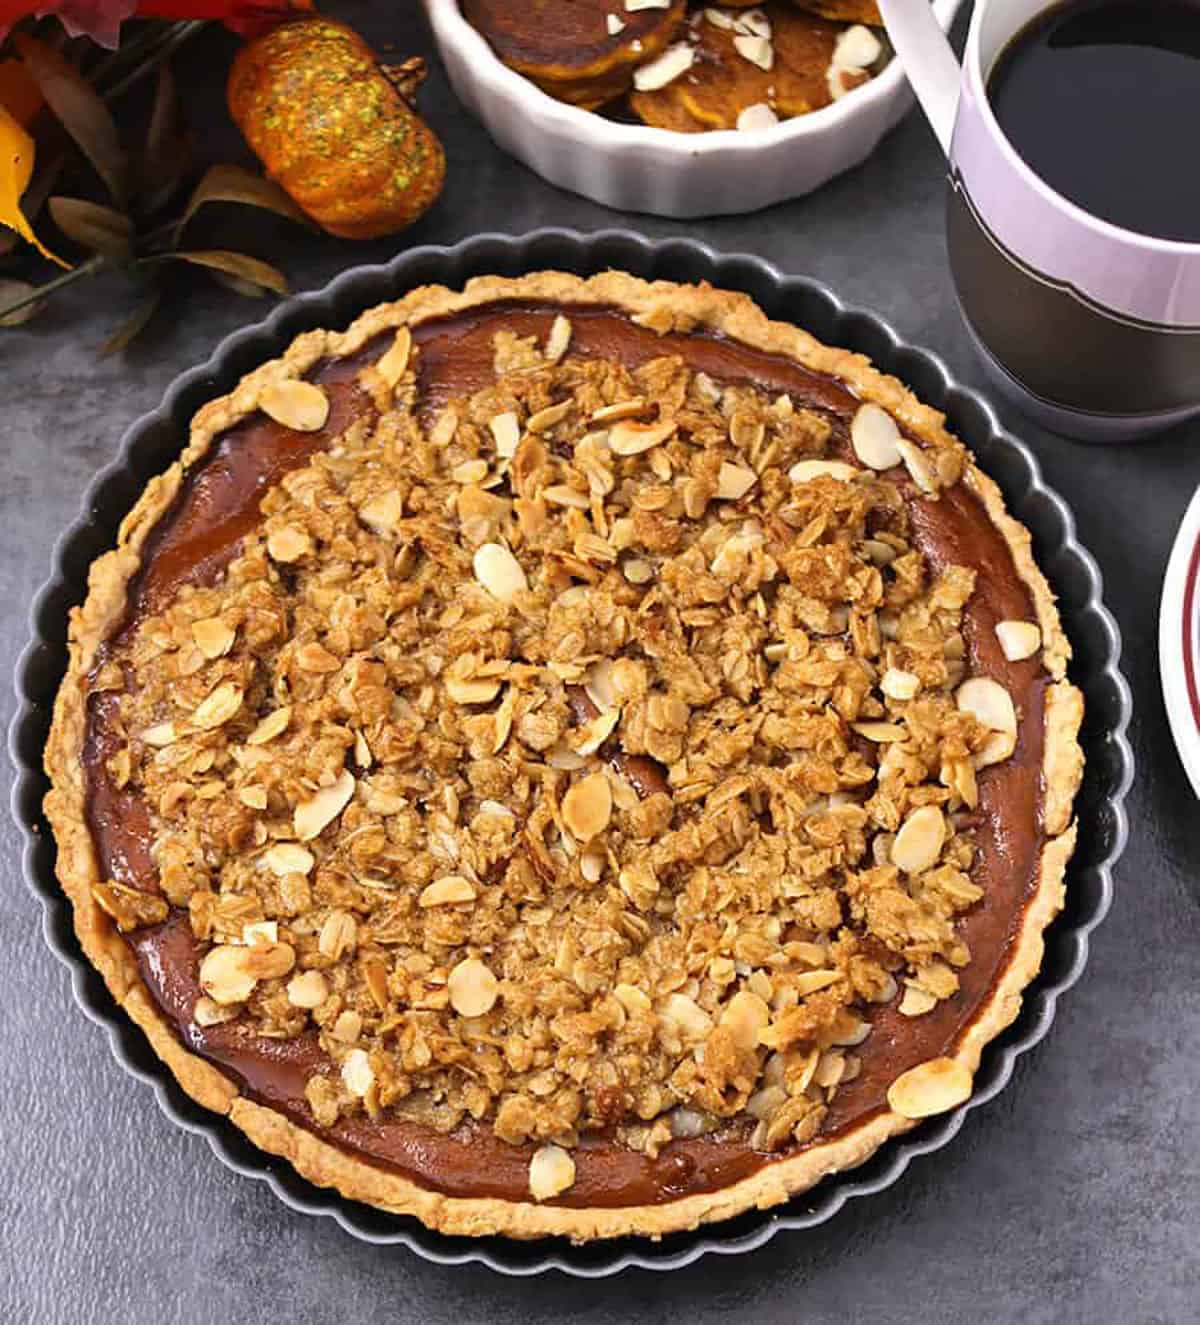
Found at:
[664, 308]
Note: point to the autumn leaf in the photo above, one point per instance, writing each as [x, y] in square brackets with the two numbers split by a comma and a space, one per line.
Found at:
[97, 228]
[16, 170]
[19, 94]
[78, 109]
[226, 182]
[247, 270]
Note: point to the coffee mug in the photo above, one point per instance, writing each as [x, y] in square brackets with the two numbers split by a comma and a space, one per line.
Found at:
[1090, 329]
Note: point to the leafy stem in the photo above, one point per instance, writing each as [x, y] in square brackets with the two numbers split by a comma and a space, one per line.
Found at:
[88, 268]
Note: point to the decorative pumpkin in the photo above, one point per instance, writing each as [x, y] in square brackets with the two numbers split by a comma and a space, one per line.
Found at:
[334, 128]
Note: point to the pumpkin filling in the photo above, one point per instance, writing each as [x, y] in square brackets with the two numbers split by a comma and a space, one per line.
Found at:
[554, 759]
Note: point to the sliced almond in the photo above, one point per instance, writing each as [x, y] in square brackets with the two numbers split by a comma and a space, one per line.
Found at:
[544, 419]
[720, 18]
[271, 726]
[268, 961]
[221, 705]
[560, 332]
[632, 6]
[591, 865]
[506, 433]
[253, 798]
[312, 816]
[357, 1073]
[288, 544]
[1018, 639]
[744, 1016]
[448, 891]
[857, 48]
[470, 471]
[225, 975]
[288, 858]
[874, 435]
[443, 430]
[614, 23]
[339, 934]
[931, 1087]
[208, 1012]
[637, 570]
[758, 50]
[214, 637]
[587, 807]
[629, 437]
[261, 931]
[298, 405]
[382, 514]
[631, 998]
[675, 60]
[918, 466]
[160, 735]
[474, 690]
[551, 1170]
[919, 842]
[899, 684]
[734, 481]
[473, 989]
[988, 703]
[597, 731]
[916, 1001]
[686, 1014]
[559, 494]
[756, 117]
[812, 982]
[309, 989]
[621, 409]
[394, 363]
[803, 471]
[499, 572]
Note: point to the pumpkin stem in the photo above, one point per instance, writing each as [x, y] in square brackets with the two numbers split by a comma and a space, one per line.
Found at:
[406, 77]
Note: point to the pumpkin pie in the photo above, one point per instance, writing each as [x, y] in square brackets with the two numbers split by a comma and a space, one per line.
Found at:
[567, 757]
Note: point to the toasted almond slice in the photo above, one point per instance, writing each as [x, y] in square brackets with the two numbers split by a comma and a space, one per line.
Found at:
[1018, 639]
[622, 409]
[546, 418]
[614, 23]
[874, 435]
[339, 934]
[812, 982]
[382, 514]
[758, 50]
[221, 705]
[312, 816]
[296, 404]
[919, 842]
[996, 749]
[357, 1073]
[560, 335]
[987, 701]
[288, 858]
[448, 891]
[587, 807]
[734, 481]
[552, 1170]
[214, 637]
[805, 470]
[675, 60]
[394, 363]
[744, 1016]
[687, 1015]
[629, 437]
[225, 975]
[473, 989]
[309, 989]
[598, 731]
[253, 798]
[444, 428]
[637, 570]
[267, 960]
[720, 18]
[931, 1087]
[208, 1012]
[918, 466]
[899, 684]
[499, 572]
[560, 494]
[261, 931]
[271, 726]
[288, 544]
[857, 48]
[632, 6]
[591, 865]
[476, 690]
[756, 117]
[470, 471]
[599, 685]
[631, 998]
[916, 1001]
[160, 735]
[506, 433]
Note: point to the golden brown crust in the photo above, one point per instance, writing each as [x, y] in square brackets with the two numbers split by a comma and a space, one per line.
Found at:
[662, 306]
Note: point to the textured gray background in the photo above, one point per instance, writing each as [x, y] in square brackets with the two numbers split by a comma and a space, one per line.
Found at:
[1073, 1197]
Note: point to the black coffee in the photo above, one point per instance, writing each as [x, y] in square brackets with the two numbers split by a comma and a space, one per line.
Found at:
[1101, 98]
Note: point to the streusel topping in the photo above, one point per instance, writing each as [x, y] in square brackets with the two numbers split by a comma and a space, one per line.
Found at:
[589, 755]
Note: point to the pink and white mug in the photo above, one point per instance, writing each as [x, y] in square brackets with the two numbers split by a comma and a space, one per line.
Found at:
[1091, 329]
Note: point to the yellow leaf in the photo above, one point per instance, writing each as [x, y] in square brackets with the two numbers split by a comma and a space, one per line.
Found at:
[16, 170]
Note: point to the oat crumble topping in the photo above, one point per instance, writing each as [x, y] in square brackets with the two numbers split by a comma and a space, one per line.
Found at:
[396, 759]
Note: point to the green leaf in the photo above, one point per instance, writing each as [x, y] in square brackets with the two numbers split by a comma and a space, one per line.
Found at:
[98, 229]
[80, 111]
[239, 265]
[229, 183]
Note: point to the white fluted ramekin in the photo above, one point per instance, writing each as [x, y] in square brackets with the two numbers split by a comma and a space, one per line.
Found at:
[639, 169]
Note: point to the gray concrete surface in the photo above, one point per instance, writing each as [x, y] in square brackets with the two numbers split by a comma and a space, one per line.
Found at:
[1072, 1198]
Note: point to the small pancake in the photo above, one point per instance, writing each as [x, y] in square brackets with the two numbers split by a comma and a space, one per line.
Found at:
[566, 47]
[722, 82]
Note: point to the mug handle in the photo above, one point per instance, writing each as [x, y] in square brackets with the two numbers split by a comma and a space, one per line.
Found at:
[925, 54]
